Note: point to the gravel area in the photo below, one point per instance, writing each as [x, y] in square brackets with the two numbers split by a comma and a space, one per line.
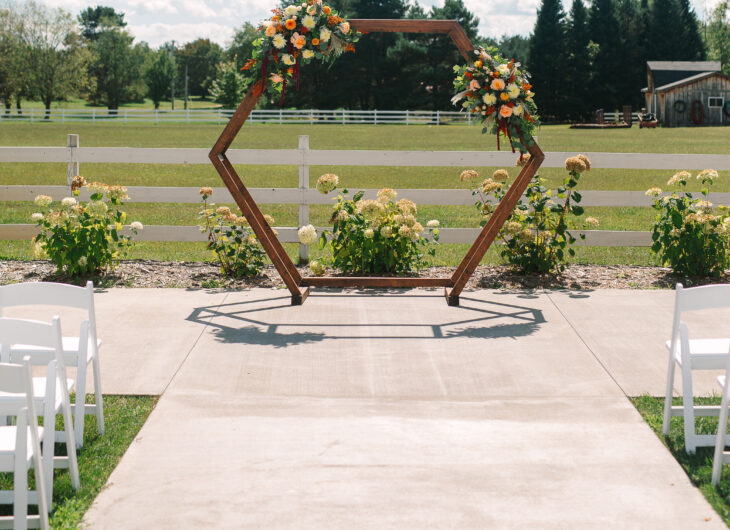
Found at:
[147, 273]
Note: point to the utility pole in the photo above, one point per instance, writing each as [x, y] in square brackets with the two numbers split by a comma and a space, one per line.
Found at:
[186, 86]
[172, 83]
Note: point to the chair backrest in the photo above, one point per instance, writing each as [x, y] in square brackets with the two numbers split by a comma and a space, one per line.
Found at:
[15, 379]
[695, 299]
[51, 294]
[33, 333]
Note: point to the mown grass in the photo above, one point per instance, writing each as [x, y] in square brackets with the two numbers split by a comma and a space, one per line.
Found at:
[124, 417]
[698, 466]
[552, 138]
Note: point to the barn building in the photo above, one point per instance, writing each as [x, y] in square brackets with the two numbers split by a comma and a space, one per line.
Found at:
[688, 93]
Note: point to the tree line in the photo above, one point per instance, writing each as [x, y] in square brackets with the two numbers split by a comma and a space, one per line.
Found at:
[593, 56]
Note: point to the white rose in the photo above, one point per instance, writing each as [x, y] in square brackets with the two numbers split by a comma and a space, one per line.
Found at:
[279, 41]
[288, 59]
[307, 54]
[518, 110]
[291, 10]
[308, 22]
[490, 99]
[513, 91]
[324, 34]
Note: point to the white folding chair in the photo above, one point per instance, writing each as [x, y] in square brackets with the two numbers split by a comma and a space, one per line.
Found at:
[694, 354]
[20, 448]
[78, 351]
[51, 392]
[722, 456]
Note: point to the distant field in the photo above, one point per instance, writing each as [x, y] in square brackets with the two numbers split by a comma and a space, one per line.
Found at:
[193, 103]
[253, 136]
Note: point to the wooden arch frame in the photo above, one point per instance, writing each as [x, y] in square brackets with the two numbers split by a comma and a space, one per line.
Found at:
[299, 286]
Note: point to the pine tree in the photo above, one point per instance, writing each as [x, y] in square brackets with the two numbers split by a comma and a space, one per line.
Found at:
[548, 60]
[666, 31]
[630, 24]
[693, 48]
[579, 61]
[608, 64]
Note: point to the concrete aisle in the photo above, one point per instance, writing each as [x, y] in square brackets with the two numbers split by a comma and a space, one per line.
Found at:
[397, 411]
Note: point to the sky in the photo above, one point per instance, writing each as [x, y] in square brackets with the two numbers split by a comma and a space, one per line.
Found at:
[159, 21]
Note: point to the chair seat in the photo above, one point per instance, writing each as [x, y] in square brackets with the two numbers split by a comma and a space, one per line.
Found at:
[8, 436]
[39, 392]
[707, 354]
[70, 349]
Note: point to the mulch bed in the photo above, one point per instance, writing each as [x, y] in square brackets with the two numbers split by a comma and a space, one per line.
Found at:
[148, 273]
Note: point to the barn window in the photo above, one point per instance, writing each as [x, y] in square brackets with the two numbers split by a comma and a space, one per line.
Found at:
[715, 102]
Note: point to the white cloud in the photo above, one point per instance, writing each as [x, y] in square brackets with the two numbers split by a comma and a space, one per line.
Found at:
[198, 8]
[155, 6]
[160, 32]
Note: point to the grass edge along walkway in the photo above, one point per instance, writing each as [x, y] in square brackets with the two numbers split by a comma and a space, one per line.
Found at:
[698, 466]
[124, 417]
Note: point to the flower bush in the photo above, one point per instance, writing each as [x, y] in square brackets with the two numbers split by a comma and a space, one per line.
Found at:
[371, 236]
[687, 234]
[231, 239]
[499, 92]
[297, 34]
[83, 238]
[536, 234]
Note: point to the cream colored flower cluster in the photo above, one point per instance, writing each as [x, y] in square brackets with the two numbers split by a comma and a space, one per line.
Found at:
[327, 183]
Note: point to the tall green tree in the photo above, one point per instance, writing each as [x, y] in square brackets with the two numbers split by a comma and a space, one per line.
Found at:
[13, 75]
[160, 71]
[718, 35]
[242, 44]
[666, 31]
[117, 67]
[631, 81]
[56, 57]
[228, 86]
[548, 57]
[578, 65]
[692, 46]
[201, 57]
[608, 63]
[95, 19]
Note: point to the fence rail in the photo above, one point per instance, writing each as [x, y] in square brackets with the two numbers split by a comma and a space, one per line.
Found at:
[221, 116]
[304, 196]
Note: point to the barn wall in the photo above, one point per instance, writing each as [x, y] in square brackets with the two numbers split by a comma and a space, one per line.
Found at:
[698, 90]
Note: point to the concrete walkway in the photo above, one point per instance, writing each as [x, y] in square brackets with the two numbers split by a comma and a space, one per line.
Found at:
[375, 410]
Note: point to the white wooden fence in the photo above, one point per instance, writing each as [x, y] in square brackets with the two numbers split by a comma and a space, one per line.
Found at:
[305, 196]
[221, 116]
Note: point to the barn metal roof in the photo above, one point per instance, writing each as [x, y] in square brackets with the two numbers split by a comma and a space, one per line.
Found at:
[687, 80]
[686, 66]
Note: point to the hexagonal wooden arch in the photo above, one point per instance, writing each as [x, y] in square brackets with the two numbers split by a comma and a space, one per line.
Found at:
[299, 286]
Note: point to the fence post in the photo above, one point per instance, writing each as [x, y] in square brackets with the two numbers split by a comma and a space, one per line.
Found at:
[343, 117]
[280, 116]
[73, 167]
[408, 117]
[219, 116]
[63, 115]
[303, 189]
[157, 116]
[438, 117]
[125, 116]
[93, 116]
[468, 118]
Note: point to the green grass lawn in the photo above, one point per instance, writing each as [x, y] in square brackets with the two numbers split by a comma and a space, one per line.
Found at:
[124, 417]
[698, 466]
[552, 138]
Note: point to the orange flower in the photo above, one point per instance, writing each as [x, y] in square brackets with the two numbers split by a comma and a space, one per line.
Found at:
[326, 10]
[279, 28]
[291, 24]
[504, 96]
[349, 48]
[315, 42]
[275, 18]
[249, 64]
[290, 70]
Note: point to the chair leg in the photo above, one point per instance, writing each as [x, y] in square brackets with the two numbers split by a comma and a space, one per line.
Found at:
[20, 493]
[80, 408]
[720, 440]
[97, 393]
[68, 427]
[668, 395]
[690, 442]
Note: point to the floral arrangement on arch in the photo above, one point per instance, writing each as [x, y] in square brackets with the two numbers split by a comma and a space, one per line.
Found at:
[296, 35]
[499, 92]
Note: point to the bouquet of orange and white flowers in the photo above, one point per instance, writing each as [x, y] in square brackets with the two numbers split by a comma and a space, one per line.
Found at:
[499, 92]
[295, 35]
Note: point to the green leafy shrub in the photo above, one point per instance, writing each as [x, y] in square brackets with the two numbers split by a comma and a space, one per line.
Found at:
[83, 238]
[687, 236]
[231, 239]
[536, 234]
[373, 236]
